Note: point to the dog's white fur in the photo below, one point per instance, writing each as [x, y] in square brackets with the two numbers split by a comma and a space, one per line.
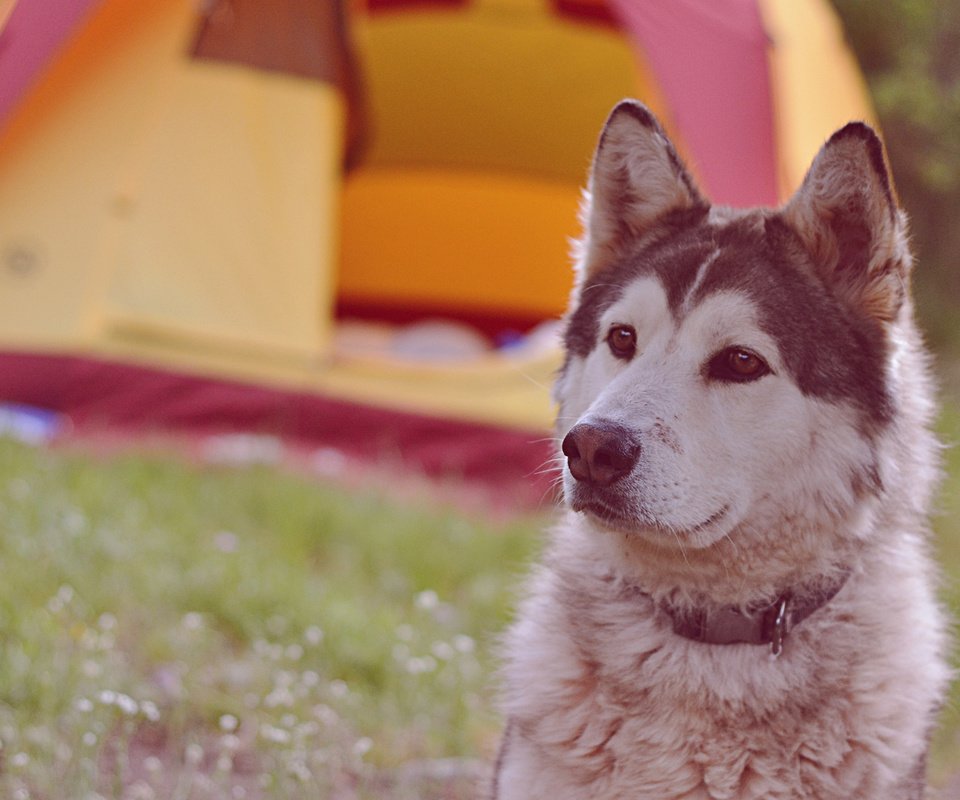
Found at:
[741, 491]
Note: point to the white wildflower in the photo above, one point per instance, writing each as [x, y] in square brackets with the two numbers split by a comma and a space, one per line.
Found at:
[193, 754]
[226, 541]
[326, 715]
[418, 666]
[362, 746]
[280, 696]
[83, 704]
[150, 710]
[140, 791]
[274, 734]
[192, 621]
[107, 697]
[229, 723]
[442, 650]
[427, 600]
[74, 521]
[127, 704]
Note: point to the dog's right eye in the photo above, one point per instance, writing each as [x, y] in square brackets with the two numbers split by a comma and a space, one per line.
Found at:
[622, 341]
[737, 365]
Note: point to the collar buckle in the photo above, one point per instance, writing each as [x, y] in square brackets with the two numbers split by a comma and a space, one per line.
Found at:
[780, 627]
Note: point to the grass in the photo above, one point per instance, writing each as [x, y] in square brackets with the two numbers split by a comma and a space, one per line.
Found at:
[945, 757]
[173, 631]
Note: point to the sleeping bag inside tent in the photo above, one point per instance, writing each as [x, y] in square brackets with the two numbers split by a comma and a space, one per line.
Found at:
[351, 223]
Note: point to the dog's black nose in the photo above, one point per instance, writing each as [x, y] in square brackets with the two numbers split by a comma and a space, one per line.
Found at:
[600, 453]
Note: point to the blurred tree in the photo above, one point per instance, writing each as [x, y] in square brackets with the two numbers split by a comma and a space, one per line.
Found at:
[910, 53]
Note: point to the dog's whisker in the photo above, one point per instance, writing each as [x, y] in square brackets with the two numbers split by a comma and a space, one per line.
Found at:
[535, 381]
[679, 540]
[554, 464]
[544, 439]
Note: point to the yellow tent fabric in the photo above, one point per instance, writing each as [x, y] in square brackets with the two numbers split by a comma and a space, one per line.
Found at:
[493, 160]
[157, 185]
[195, 214]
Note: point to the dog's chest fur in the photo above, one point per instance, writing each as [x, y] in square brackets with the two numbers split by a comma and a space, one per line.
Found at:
[622, 708]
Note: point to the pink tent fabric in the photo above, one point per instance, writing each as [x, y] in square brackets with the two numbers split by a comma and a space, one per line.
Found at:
[710, 59]
[33, 33]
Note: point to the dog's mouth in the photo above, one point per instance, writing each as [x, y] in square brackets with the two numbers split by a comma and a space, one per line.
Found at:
[609, 515]
[616, 516]
[712, 520]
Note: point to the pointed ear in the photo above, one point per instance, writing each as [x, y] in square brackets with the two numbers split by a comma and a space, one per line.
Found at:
[846, 214]
[636, 178]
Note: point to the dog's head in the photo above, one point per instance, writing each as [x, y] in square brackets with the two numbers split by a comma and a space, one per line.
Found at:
[728, 372]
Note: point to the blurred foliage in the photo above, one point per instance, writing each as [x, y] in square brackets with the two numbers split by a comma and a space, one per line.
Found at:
[909, 51]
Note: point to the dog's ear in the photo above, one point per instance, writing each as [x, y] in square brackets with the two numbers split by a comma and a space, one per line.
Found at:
[635, 179]
[846, 214]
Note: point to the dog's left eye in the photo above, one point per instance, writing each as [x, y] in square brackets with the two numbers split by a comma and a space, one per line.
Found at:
[738, 365]
[622, 341]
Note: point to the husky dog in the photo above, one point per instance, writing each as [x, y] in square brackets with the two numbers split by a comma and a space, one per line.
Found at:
[739, 600]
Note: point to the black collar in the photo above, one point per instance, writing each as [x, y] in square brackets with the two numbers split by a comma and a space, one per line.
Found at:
[764, 624]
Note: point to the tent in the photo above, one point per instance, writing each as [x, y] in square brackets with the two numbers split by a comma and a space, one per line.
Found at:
[198, 201]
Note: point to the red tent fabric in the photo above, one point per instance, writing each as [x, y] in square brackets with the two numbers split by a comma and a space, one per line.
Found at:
[126, 401]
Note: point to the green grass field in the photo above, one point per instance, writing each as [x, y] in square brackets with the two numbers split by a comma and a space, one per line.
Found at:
[173, 631]
[945, 763]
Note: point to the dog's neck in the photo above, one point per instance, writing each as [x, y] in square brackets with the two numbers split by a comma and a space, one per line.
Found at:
[714, 596]
[726, 573]
[766, 624]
